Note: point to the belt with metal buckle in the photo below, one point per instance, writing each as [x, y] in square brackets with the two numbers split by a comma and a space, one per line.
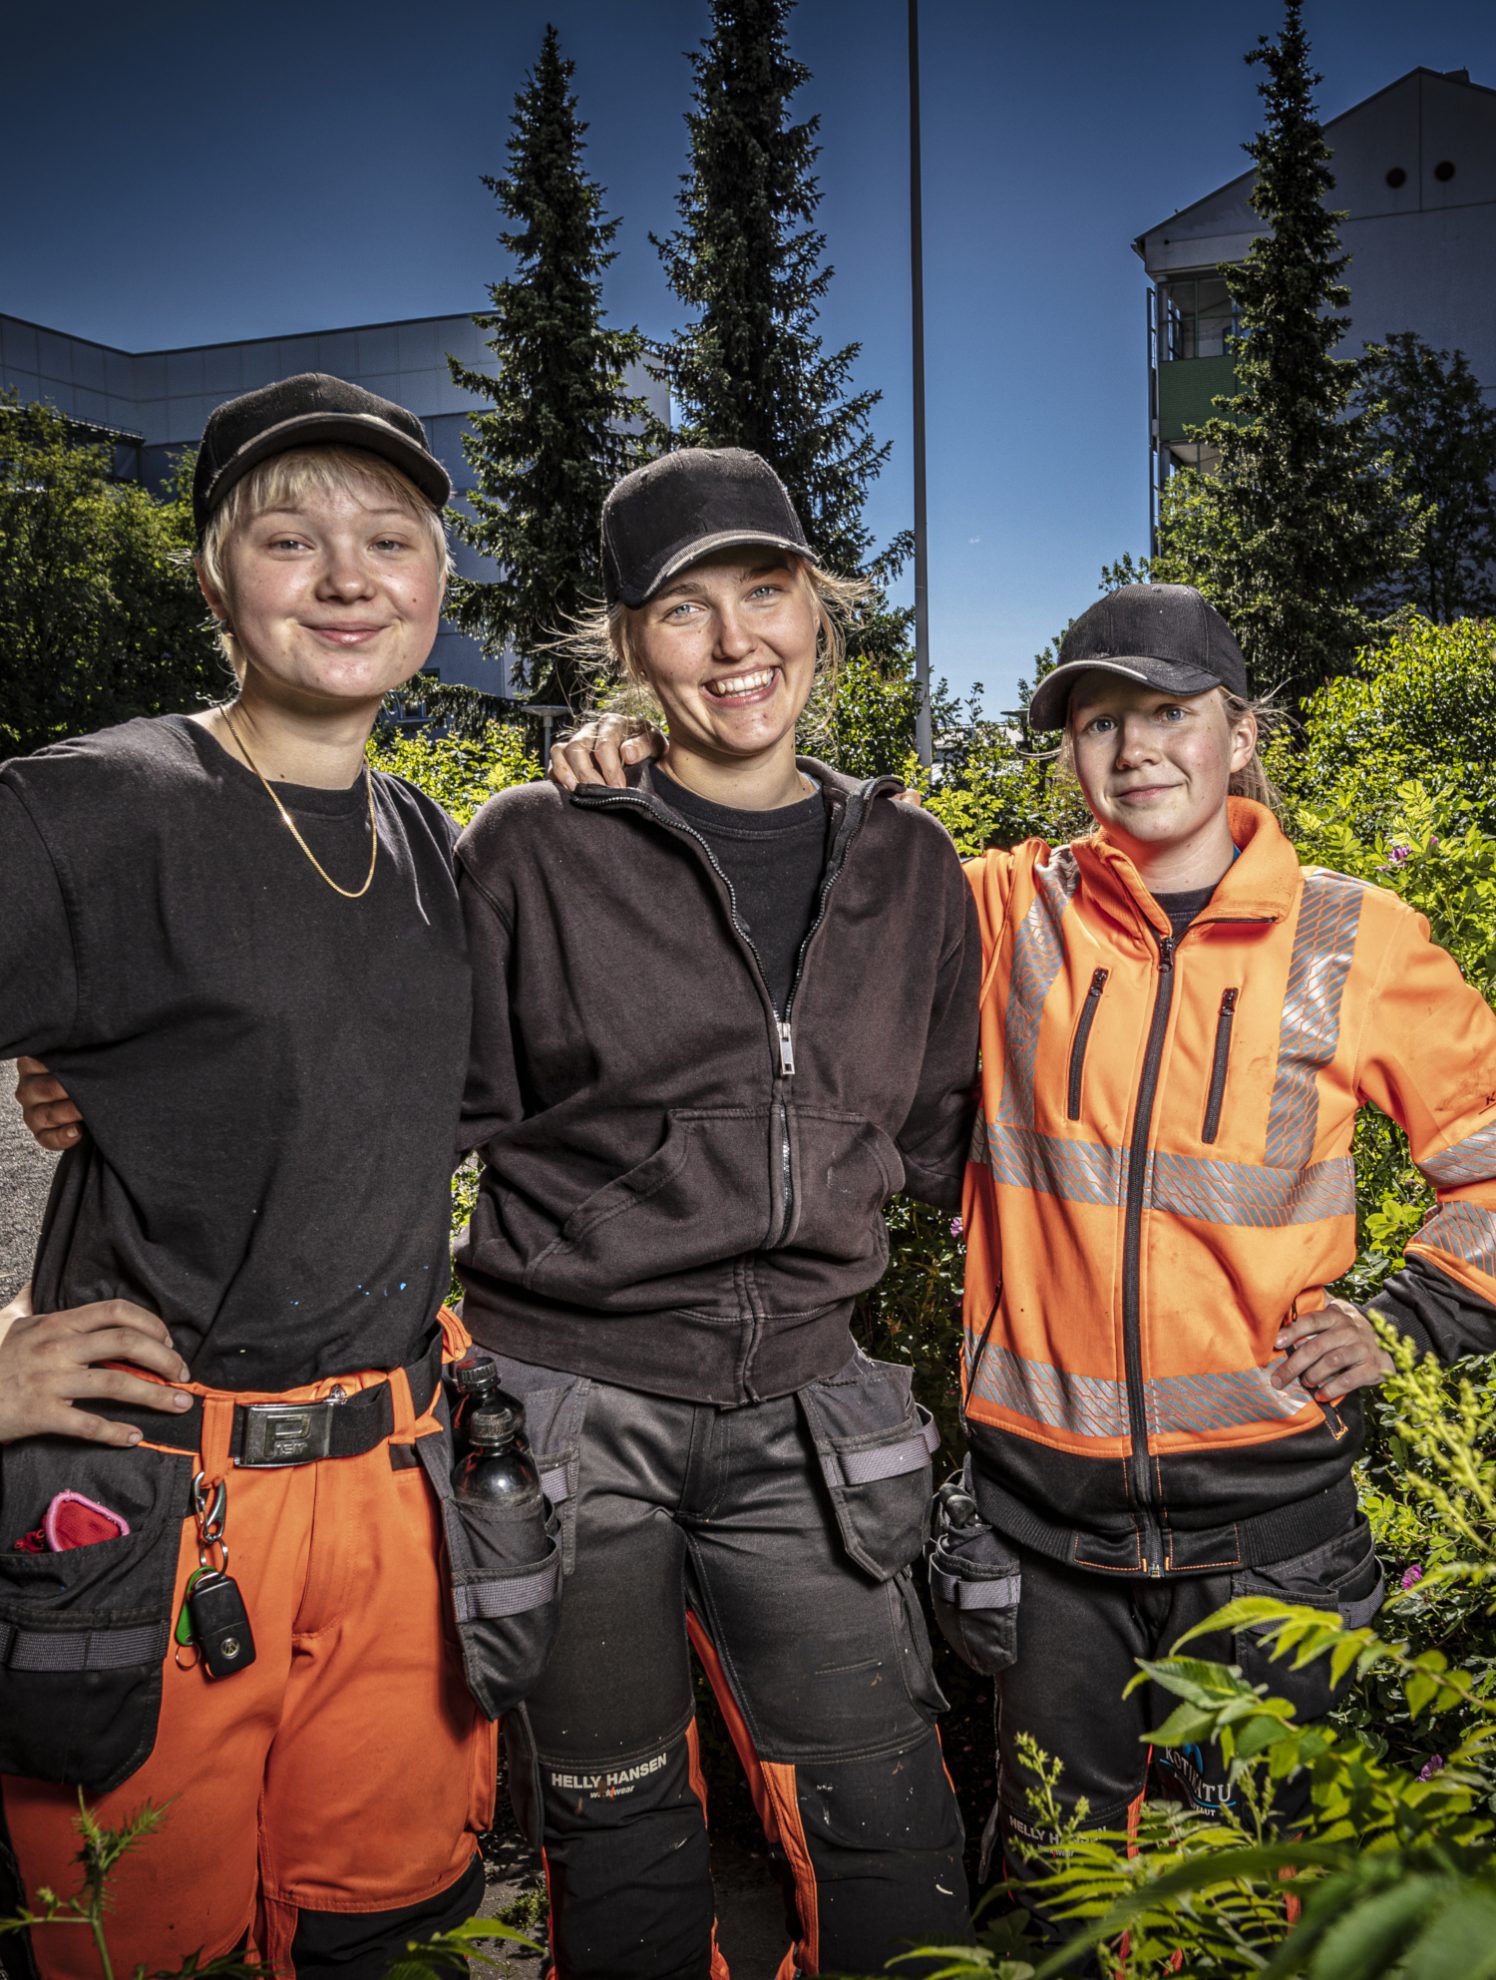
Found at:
[268, 1434]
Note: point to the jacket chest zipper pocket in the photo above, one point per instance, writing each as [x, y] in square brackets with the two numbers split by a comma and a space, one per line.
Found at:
[1079, 1042]
[1220, 1060]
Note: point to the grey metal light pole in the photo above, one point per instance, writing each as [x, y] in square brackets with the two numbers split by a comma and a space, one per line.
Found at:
[923, 737]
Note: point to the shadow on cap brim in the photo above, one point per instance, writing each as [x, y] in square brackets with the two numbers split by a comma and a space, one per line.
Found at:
[333, 429]
[726, 539]
[1052, 696]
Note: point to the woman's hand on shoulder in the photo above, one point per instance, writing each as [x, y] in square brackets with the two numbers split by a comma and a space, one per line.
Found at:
[50, 1116]
[52, 1362]
[599, 750]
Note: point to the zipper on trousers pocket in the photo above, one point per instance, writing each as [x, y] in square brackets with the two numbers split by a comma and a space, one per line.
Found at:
[1082, 1036]
[1220, 1060]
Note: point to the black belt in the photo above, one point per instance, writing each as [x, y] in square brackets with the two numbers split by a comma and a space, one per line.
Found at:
[281, 1433]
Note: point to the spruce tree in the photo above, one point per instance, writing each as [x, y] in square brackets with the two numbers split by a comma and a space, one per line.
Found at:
[561, 425]
[1430, 414]
[749, 369]
[1302, 518]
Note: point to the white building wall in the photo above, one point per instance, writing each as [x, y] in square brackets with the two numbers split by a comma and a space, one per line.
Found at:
[1422, 254]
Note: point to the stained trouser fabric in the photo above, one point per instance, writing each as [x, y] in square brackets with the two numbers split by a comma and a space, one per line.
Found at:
[322, 1805]
[823, 1672]
[1079, 1637]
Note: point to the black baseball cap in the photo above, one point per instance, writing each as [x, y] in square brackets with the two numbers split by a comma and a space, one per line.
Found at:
[1165, 635]
[310, 410]
[671, 511]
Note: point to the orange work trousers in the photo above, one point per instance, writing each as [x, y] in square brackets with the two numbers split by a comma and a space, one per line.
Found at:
[345, 1771]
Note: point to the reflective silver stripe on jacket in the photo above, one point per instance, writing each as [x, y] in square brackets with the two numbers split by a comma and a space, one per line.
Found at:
[1472, 1160]
[1095, 1406]
[1464, 1231]
[1215, 1192]
[1323, 942]
[1038, 956]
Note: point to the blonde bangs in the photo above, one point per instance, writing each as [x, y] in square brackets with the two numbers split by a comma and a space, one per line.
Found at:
[288, 480]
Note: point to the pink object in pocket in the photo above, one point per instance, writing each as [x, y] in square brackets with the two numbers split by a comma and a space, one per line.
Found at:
[73, 1521]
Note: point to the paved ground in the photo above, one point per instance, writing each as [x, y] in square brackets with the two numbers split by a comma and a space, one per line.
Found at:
[25, 1178]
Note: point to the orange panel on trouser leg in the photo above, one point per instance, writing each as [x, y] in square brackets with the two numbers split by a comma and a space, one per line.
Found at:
[737, 1725]
[805, 1957]
[375, 1714]
[768, 1801]
[720, 1970]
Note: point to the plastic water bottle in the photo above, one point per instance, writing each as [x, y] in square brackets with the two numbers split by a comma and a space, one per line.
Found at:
[497, 1467]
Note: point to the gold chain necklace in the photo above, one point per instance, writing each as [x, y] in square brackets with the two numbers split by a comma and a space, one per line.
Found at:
[289, 822]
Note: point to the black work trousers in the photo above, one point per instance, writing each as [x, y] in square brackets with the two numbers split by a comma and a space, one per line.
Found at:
[1079, 1638]
[724, 1525]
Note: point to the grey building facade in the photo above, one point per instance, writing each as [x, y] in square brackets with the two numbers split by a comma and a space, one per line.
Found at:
[153, 403]
[1415, 173]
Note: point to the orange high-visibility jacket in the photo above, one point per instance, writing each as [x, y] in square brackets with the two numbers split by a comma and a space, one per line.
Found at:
[1161, 1176]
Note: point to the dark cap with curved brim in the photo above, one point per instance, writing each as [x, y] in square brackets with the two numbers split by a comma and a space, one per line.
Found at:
[683, 506]
[310, 410]
[1164, 635]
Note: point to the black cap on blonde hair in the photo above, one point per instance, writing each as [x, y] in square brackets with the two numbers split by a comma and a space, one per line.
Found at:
[312, 409]
[671, 511]
[1164, 635]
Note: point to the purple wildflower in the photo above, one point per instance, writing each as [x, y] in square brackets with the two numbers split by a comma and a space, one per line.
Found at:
[1413, 1576]
[956, 1227]
[1430, 1767]
[1397, 856]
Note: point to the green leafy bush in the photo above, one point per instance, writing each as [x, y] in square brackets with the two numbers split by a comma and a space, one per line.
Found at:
[460, 772]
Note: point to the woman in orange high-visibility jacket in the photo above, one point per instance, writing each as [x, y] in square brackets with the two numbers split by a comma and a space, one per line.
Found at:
[1179, 1024]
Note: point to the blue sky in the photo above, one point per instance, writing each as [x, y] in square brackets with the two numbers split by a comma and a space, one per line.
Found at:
[180, 174]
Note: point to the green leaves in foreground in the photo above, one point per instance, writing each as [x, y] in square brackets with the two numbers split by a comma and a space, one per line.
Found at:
[1392, 1874]
[450, 1953]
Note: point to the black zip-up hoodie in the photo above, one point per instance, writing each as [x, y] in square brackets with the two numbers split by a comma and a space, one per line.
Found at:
[683, 1188]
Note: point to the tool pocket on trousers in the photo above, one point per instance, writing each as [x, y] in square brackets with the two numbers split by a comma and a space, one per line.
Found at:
[555, 1405]
[1343, 1575]
[976, 1581]
[84, 1630]
[504, 1575]
[874, 1444]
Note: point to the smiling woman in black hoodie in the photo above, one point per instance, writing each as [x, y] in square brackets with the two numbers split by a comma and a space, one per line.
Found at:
[722, 1015]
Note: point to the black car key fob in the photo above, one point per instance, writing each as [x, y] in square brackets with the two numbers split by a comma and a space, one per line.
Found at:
[220, 1624]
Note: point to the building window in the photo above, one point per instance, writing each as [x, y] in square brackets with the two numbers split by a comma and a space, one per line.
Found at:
[1197, 317]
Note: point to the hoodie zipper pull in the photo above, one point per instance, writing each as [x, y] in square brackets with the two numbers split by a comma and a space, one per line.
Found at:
[786, 1051]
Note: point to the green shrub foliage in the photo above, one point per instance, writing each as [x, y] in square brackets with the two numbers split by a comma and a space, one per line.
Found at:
[100, 615]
